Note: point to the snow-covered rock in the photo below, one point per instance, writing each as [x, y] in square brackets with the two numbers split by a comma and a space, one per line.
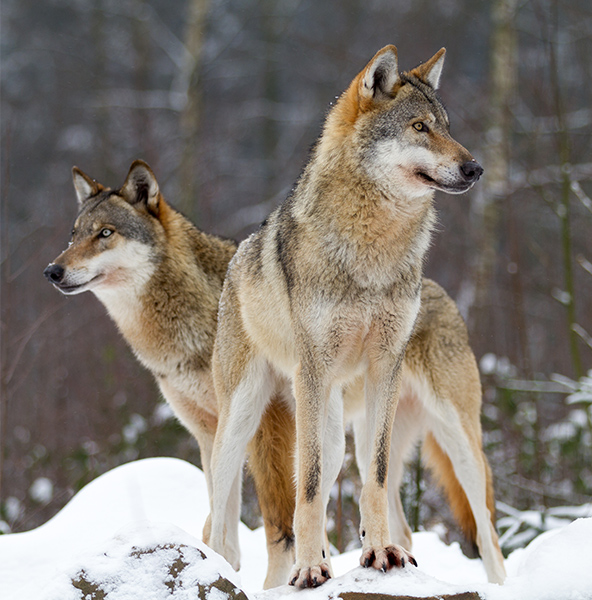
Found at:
[135, 534]
[139, 563]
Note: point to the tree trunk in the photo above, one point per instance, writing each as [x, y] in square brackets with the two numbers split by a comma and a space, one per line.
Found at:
[564, 205]
[488, 206]
[190, 117]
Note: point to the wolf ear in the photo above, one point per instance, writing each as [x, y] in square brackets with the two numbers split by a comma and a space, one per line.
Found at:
[85, 186]
[141, 187]
[381, 74]
[429, 72]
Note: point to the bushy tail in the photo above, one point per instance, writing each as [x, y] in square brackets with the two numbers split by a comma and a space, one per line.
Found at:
[441, 467]
[271, 462]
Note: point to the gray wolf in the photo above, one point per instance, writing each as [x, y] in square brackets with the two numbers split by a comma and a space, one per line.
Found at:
[160, 279]
[325, 298]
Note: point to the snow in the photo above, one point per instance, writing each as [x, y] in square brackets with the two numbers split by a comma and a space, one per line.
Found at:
[129, 565]
[109, 532]
[41, 490]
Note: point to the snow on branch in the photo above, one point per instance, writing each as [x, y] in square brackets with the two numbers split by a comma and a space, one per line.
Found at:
[576, 188]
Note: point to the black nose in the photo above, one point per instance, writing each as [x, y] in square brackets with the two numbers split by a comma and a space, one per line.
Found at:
[471, 170]
[54, 273]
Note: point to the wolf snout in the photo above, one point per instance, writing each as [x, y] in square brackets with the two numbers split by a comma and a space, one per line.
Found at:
[471, 171]
[54, 273]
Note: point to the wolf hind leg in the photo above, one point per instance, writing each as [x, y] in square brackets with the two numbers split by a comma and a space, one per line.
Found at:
[239, 419]
[201, 423]
[454, 452]
[333, 455]
[407, 430]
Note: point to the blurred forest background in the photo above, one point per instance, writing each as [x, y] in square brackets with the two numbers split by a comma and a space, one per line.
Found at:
[223, 98]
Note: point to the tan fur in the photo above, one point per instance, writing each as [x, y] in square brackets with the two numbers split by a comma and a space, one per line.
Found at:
[440, 396]
[440, 351]
[164, 299]
[326, 294]
[169, 312]
[271, 459]
[440, 465]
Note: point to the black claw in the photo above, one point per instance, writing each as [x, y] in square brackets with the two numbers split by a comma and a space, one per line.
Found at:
[402, 563]
[293, 582]
[413, 561]
[383, 568]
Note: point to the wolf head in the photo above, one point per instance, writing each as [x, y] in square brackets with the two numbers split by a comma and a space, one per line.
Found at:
[400, 128]
[114, 239]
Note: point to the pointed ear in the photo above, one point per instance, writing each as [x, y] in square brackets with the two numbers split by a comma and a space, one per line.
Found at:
[381, 75]
[141, 187]
[429, 72]
[85, 186]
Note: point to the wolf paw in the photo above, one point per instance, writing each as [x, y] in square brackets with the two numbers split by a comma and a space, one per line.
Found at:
[310, 577]
[384, 559]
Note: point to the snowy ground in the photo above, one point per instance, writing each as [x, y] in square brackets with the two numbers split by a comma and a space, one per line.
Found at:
[163, 501]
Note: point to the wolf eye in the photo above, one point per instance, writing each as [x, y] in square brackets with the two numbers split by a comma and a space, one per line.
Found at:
[105, 232]
[419, 126]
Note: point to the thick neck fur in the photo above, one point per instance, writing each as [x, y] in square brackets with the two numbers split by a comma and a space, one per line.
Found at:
[382, 232]
[167, 309]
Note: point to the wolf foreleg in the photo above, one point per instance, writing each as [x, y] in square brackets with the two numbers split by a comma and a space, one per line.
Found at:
[312, 414]
[382, 396]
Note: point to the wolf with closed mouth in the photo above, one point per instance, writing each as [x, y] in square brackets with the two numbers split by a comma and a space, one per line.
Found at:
[160, 279]
[324, 297]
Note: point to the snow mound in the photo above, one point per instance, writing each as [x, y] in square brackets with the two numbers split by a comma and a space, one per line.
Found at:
[137, 562]
[134, 533]
[557, 565]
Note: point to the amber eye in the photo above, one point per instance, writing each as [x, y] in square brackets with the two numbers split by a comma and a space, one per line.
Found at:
[419, 126]
[105, 232]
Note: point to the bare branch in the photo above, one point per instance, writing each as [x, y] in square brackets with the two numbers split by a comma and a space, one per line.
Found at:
[575, 120]
[138, 99]
[26, 337]
[549, 174]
